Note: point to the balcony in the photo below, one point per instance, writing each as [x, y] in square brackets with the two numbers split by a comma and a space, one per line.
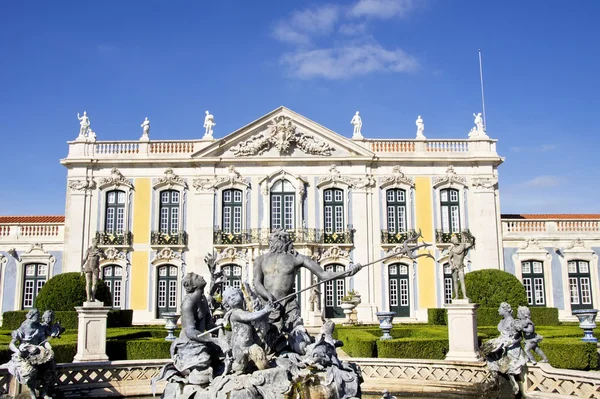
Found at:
[388, 237]
[298, 236]
[120, 239]
[442, 237]
[173, 239]
[550, 226]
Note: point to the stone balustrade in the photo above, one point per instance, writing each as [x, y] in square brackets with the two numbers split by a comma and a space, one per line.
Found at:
[30, 232]
[549, 227]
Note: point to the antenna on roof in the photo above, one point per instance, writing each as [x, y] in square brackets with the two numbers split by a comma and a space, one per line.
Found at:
[482, 95]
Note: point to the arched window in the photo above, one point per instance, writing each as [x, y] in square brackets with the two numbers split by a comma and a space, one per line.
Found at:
[396, 210]
[448, 283]
[169, 211]
[232, 211]
[166, 292]
[333, 200]
[112, 276]
[334, 292]
[580, 285]
[35, 278]
[283, 199]
[233, 275]
[450, 210]
[114, 221]
[532, 275]
[399, 289]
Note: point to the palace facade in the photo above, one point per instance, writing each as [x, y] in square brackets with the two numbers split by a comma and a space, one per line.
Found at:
[159, 207]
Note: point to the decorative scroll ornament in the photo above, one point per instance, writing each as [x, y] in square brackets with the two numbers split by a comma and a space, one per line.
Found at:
[113, 254]
[211, 184]
[167, 254]
[3, 260]
[170, 179]
[451, 177]
[82, 186]
[397, 178]
[36, 246]
[532, 244]
[576, 243]
[484, 183]
[281, 134]
[334, 253]
[399, 251]
[231, 253]
[115, 179]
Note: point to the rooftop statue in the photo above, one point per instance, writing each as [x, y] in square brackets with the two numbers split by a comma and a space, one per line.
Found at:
[32, 362]
[84, 124]
[457, 253]
[145, 127]
[209, 122]
[357, 122]
[91, 267]
[420, 127]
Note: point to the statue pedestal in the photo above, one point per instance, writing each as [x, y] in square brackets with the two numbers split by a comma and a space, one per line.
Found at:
[315, 319]
[462, 331]
[91, 334]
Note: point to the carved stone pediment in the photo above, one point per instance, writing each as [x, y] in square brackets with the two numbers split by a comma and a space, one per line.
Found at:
[334, 178]
[397, 179]
[484, 183]
[212, 183]
[169, 180]
[283, 135]
[167, 254]
[450, 178]
[230, 253]
[576, 243]
[532, 244]
[335, 253]
[113, 254]
[116, 179]
[82, 186]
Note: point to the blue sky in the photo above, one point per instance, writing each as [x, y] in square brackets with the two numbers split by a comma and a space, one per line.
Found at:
[392, 60]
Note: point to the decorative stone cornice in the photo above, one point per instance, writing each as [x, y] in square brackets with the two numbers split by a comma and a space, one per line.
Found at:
[169, 180]
[450, 178]
[82, 186]
[116, 179]
[576, 243]
[281, 133]
[37, 253]
[166, 254]
[335, 253]
[231, 253]
[113, 254]
[211, 184]
[397, 179]
[484, 183]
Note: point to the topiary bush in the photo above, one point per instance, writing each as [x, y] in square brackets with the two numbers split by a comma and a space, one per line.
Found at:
[437, 316]
[490, 287]
[67, 290]
[11, 320]
[413, 348]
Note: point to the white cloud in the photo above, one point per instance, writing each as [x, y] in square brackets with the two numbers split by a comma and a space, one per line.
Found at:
[353, 29]
[384, 9]
[305, 24]
[347, 61]
[542, 181]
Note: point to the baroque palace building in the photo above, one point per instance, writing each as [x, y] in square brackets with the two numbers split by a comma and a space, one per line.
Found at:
[158, 207]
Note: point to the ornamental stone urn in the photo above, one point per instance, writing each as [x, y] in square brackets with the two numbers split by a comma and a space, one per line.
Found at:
[385, 323]
[170, 325]
[587, 322]
[348, 307]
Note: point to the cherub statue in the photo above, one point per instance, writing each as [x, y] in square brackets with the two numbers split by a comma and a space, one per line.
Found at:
[245, 349]
[32, 362]
[531, 338]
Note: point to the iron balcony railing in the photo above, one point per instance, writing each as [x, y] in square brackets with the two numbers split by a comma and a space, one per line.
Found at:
[164, 238]
[389, 237]
[298, 236]
[444, 237]
[114, 238]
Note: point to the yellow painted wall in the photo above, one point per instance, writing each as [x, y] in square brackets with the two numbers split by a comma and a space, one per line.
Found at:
[141, 211]
[139, 280]
[426, 265]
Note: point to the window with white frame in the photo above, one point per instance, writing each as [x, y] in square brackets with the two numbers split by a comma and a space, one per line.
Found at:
[232, 211]
[450, 210]
[333, 201]
[398, 289]
[169, 211]
[166, 290]
[580, 286]
[532, 275]
[448, 283]
[114, 220]
[34, 280]
[233, 276]
[113, 277]
[335, 290]
[282, 205]
[396, 210]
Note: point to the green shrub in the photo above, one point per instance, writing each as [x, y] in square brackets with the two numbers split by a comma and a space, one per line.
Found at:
[437, 316]
[120, 318]
[490, 287]
[411, 348]
[544, 316]
[358, 342]
[142, 348]
[488, 316]
[570, 353]
[68, 319]
[67, 290]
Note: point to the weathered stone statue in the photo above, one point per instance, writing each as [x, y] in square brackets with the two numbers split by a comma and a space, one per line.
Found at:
[531, 338]
[456, 258]
[91, 267]
[274, 275]
[209, 122]
[313, 299]
[479, 123]
[504, 354]
[84, 124]
[420, 127]
[32, 362]
[145, 127]
[387, 395]
[357, 122]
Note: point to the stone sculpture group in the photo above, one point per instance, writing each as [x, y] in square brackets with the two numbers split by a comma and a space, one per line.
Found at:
[260, 348]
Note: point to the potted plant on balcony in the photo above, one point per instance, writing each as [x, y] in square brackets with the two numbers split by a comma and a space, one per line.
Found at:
[348, 303]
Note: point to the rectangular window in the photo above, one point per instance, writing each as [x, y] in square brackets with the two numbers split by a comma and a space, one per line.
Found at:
[237, 196]
[538, 286]
[526, 268]
[401, 219]
[110, 220]
[328, 196]
[172, 293]
[454, 221]
[276, 211]
[289, 212]
[338, 196]
[403, 292]
[117, 294]
[227, 219]
[391, 196]
[447, 289]
[237, 219]
[584, 267]
[162, 293]
[28, 294]
[394, 292]
[174, 220]
[574, 289]
[528, 290]
[445, 220]
[120, 220]
[586, 292]
[391, 219]
[328, 219]
[572, 268]
[164, 220]
[339, 219]
[227, 196]
[329, 293]
[537, 267]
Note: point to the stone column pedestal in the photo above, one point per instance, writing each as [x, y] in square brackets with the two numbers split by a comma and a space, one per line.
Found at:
[315, 319]
[462, 331]
[91, 335]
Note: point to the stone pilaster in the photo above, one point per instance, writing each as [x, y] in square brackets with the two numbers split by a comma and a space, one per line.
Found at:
[91, 333]
[462, 331]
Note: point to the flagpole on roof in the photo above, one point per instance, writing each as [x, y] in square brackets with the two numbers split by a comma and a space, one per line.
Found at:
[482, 95]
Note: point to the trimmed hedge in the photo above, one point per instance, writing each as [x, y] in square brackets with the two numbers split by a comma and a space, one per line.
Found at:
[67, 290]
[544, 316]
[490, 287]
[437, 316]
[138, 349]
[358, 342]
[68, 319]
[570, 353]
[410, 348]
[489, 316]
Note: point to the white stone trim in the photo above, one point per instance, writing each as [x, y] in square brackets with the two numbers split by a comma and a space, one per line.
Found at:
[266, 185]
[157, 262]
[124, 264]
[3, 263]
[462, 201]
[577, 251]
[164, 184]
[412, 271]
[116, 182]
[35, 254]
[533, 252]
